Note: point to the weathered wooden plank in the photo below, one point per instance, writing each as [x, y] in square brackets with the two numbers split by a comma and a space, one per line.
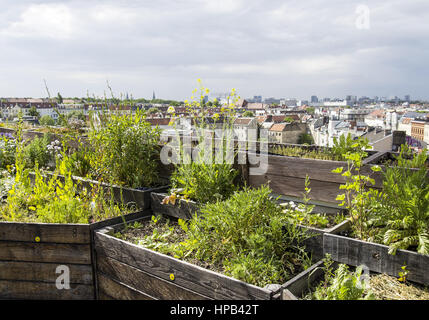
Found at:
[197, 279]
[300, 167]
[375, 157]
[317, 170]
[292, 186]
[182, 209]
[43, 272]
[143, 281]
[376, 257]
[117, 220]
[46, 232]
[10, 289]
[119, 291]
[45, 252]
[139, 197]
[314, 245]
[297, 287]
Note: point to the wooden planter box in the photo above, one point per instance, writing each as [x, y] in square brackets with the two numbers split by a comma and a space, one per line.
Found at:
[141, 198]
[376, 257]
[31, 252]
[301, 285]
[128, 271]
[287, 176]
[183, 209]
[315, 244]
[295, 288]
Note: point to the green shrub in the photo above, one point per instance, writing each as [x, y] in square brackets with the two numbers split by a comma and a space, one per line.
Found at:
[211, 176]
[346, 144]
[51, 199]
[305, 138]
[204, 182]
[125, 150]
[37, 152]
[46, 120]
[406, 203]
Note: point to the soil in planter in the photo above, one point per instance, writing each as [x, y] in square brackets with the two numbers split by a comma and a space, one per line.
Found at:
[385, 287]
[167, 232]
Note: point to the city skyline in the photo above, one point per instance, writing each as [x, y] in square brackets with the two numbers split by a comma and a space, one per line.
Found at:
[274, 49]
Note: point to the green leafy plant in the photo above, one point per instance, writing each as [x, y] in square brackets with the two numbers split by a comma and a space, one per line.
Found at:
[210, 176]
[125, 150]
[403, 274]
[37, 152]
[204, 182]
[46, 120]
[345, 145]
[305, 138]
[342, 284]
[54, 199]
[302, 213]
[358, 197]
[79, 161]
[406, 203]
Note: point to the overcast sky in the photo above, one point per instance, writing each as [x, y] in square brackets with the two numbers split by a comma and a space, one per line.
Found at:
[270, 48]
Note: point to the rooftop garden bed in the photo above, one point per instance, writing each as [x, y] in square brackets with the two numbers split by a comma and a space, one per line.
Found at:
[387, 228]
[46, 222]
[238, 247]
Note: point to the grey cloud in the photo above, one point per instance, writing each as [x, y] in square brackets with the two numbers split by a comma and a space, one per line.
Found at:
[273, 48]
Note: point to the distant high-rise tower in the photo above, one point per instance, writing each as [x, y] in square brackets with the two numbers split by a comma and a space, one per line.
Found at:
[153, 96]
[314, 99]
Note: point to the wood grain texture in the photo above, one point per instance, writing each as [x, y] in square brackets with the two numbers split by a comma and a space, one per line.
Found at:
[44, 272]
[47, 233]
[299, 285]
[143, 281]
[118, 291]
[287, 176]
[205, 282]
[10, 289]
[300, 167]
[376, 257]
[45, 252]
[320, 190]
